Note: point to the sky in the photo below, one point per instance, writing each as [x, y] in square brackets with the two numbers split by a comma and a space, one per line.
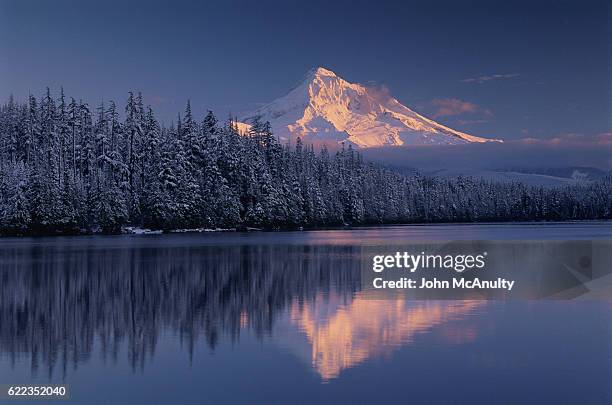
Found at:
[533, 69]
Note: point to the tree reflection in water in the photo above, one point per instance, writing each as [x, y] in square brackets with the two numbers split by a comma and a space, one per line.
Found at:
[58, 301]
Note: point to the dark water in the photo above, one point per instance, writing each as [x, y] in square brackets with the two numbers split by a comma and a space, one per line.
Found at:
[230, 318]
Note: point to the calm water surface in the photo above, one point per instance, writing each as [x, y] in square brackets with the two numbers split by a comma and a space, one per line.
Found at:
[230, 318]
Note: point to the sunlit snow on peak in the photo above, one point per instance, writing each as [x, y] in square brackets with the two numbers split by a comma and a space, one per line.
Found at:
[321, 71]
[327, 108]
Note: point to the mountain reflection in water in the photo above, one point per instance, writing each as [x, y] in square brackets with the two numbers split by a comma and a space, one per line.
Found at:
[60, 300]
[365, 328]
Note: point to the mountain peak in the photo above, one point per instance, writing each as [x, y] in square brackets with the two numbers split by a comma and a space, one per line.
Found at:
[326, 108]
[321, 71]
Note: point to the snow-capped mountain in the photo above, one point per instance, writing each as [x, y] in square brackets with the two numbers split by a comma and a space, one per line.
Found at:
[327, 108]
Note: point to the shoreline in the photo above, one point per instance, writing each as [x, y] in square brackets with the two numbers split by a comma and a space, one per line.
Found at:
[138, 231]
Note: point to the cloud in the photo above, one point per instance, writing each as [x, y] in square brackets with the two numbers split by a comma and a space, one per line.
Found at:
[452, 106]
[379, 92]
[484, 79]
[157, 100]
[585, 150]
[571, 139]
[472, 122]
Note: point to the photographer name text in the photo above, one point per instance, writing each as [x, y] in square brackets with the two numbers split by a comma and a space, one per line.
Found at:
[404, 261]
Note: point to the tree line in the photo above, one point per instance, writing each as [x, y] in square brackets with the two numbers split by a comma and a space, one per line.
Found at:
[66, 168]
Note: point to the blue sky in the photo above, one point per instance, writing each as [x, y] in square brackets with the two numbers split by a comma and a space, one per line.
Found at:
[538, 69]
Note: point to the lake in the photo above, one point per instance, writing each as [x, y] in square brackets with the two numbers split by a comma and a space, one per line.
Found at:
[281, 318]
